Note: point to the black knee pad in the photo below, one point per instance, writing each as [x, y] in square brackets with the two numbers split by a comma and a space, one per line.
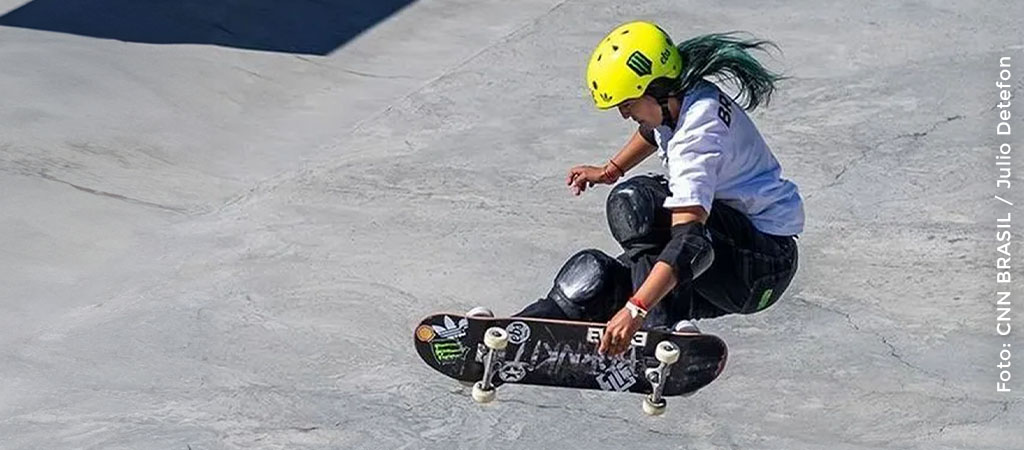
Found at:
[590, 286]
[636, 215]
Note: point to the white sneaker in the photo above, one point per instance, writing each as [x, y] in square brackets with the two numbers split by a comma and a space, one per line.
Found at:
[685, 326]
[480, 311]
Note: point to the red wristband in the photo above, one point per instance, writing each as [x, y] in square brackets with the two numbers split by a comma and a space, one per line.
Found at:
[622, 173]
[608, 176]
[638, 303]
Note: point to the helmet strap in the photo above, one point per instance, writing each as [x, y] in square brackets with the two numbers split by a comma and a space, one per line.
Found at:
[666, 114]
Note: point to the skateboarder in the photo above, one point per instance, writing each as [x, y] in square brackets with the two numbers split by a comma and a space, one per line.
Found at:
[716, 235]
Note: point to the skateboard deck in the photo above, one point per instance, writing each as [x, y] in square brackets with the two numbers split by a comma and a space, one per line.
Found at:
[564, 354]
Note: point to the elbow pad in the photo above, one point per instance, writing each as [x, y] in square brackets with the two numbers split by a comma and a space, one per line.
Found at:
[689, 251]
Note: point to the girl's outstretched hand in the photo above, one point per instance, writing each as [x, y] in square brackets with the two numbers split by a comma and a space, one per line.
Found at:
[581, 177]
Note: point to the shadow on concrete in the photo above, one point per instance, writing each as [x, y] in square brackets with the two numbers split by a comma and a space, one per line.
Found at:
[315, 27]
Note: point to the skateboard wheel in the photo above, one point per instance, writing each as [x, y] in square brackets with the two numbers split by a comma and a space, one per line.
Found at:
[480, 311]
[483, 396]
[667, 352]
[654, 409]
[496, 338]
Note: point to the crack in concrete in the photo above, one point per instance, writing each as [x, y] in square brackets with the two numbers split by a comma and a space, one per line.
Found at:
[855, 161]
[1005, 407]
[894, 354]
[831, 310]
[864, 154]
[920, 134]
[114, 196]
[893, 351]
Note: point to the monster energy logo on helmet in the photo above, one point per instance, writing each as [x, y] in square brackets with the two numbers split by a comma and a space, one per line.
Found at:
[639, 63]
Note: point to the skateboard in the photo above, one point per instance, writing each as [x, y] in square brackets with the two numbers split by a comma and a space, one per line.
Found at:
[490, 352]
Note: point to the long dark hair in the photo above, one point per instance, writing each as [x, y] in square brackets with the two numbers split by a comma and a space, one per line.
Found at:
[727, 57]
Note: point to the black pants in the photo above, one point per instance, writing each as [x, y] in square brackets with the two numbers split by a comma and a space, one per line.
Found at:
[750, 271]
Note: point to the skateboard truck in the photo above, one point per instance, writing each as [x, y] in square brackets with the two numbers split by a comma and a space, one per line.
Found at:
[495, 339]
[667, 354]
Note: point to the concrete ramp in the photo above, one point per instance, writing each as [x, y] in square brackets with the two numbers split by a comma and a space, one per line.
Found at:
[220, 222]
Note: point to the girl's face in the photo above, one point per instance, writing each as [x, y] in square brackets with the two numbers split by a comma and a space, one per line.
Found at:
[644, 110]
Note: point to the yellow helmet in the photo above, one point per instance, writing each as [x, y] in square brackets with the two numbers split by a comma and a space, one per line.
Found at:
[627, 60]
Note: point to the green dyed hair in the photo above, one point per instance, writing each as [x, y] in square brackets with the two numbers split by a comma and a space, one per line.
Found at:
[727, 57]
